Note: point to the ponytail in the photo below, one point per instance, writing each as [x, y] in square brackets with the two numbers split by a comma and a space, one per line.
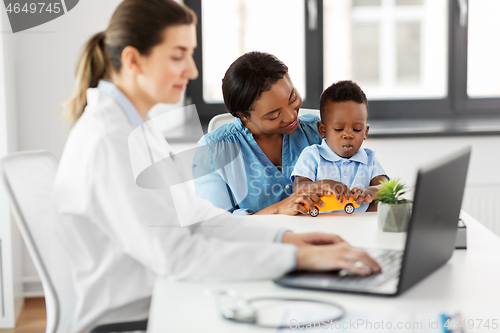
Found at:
[138, 23]
[93, 65]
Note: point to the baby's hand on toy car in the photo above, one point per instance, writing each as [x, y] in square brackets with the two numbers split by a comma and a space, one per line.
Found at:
[340, 190]
[294, 204]
[364, 195]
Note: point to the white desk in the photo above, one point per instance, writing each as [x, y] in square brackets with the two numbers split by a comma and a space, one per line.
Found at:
[469, 282]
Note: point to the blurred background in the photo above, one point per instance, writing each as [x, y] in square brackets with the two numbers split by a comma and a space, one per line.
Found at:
[428, 67]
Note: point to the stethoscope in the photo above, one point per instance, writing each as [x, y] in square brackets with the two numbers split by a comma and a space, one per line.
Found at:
[238, 309]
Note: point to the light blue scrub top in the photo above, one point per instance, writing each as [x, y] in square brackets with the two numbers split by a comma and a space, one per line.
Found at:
[232, 171]
[133, 116]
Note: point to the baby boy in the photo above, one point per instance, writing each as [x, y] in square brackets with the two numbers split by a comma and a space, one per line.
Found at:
[339, 164]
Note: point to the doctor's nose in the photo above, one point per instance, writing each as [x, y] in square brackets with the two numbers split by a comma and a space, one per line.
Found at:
[191, 70]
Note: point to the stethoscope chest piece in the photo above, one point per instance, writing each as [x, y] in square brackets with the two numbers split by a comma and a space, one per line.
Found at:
[275, 312]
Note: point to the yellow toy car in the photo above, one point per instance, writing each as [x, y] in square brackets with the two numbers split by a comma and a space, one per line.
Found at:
[331, 203]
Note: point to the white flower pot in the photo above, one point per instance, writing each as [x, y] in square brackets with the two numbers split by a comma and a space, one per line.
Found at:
[393, 217]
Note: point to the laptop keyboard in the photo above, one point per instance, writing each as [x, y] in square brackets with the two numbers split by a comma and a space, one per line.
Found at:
[389, 260]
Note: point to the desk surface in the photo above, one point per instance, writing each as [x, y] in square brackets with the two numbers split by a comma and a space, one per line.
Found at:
[468, 282]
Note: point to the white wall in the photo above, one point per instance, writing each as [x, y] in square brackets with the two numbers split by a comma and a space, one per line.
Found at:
[11, 261]
[44, 66]
[401, 158]
[8, 114]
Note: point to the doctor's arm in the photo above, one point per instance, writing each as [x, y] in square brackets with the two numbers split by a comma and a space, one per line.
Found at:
[145, 224]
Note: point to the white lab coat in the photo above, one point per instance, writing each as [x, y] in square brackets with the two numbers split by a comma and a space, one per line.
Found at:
[121, 236]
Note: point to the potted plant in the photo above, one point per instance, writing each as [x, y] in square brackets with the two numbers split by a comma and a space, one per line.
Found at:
[393, 210]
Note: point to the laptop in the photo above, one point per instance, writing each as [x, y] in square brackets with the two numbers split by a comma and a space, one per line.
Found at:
[430, 240]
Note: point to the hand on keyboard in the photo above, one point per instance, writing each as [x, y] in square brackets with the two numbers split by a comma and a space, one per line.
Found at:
[346, 272]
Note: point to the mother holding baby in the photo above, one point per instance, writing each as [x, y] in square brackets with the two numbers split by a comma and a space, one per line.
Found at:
[245, 167]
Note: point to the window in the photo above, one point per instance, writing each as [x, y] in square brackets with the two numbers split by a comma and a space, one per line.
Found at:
[392, 49]
[228, 28]
[483, 69]
[413, 58]
[246, 27]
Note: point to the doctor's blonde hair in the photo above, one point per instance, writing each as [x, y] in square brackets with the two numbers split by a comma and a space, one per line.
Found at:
[136, 23]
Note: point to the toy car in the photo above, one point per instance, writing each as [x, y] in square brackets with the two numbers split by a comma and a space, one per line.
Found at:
[331, 203]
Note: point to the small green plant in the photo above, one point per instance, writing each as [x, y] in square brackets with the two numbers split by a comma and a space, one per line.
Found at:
[391, 192]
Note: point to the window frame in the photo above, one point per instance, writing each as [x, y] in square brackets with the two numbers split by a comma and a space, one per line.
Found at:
[313, 66]
[463, 104]
[455, 105]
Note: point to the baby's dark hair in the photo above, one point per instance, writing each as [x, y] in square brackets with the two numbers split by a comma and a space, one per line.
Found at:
[342, 91]
[247, 78]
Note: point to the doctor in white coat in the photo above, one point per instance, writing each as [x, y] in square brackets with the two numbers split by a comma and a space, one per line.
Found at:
[119, 235]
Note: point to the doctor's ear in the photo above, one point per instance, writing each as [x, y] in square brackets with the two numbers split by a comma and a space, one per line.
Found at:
[132, 60]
